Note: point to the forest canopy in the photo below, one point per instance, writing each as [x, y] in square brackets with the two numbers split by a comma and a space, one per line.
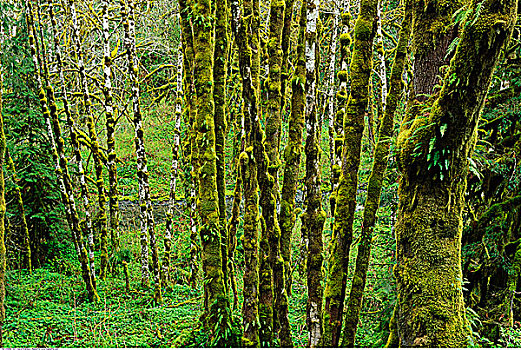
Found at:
[240, 173]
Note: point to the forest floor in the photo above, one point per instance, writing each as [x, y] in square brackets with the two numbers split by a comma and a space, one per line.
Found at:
[49, 309]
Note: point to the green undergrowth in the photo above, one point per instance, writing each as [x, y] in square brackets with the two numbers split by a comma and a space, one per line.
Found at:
[49, 309]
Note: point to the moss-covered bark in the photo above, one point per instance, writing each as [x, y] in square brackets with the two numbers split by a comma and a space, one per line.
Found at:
[187, 38]
[49, 111]
[174, 169]
[220, 68]
[2, 204]
[238, 148]
[87, 224]
[293, 152]
[241, 24]
[251, 18]
[94, 144]
[374, 187]
[217, 309]
[20, 203]
[146, 216]
[434, 147]
[432, 33]
[361, 68]
[313, 217]
[341, 97]
[110, 123]
[285, 74]
[272, 144]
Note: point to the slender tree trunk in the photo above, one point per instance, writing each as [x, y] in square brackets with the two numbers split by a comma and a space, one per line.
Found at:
[331, 96]
[217, 310]
[94, 145]
[146, 217]
[433, 151]
[187, 38]
[273, 130]
[220, 68]
[361, 68]
[313, 217]
[285, 232]
[285, 74]
[341, 96]
[293, 152]
[87, 227]
[241, 26]
[173, 171]
[238, 146]
[374, 187]
[49, 111]
[110, 125]
[2, 205]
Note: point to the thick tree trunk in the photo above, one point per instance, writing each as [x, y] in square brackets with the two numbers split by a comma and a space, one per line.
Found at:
[434, 147]
[361, 68]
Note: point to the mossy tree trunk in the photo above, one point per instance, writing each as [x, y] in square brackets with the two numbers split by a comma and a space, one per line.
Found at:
[273, 128]
[94, 144]
[49, 110]
[374, 187]
[146, 216]
[87, 225]
[2, 204]
[187, 40]
[110, 123]
[331, 93]
[242, 26]
[220, 68]
[293, 152]
[361, 68]
[313, 217]
[217, 311]
[169, 225]
[341, 97]
[434, 146]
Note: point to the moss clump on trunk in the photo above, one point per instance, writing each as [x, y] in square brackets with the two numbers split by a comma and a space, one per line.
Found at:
[361, 67]
[374, 187]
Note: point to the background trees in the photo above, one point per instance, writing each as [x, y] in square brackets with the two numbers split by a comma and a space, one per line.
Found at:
[250, 271]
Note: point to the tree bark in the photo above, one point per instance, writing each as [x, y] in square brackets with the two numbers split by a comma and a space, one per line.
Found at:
[374, 187]
[433, 150]
[361, 68]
